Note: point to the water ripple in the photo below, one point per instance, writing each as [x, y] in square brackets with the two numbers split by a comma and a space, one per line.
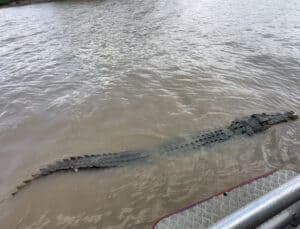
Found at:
[103, 76]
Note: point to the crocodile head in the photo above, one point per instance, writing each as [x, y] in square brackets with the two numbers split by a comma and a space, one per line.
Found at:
[260, 122]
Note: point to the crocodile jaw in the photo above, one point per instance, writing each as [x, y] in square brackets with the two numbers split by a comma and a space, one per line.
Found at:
[260, 122]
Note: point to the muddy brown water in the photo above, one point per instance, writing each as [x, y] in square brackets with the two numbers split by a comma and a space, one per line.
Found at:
[80, 77]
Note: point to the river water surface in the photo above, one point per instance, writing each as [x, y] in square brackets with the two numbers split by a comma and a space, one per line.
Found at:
[80, 77]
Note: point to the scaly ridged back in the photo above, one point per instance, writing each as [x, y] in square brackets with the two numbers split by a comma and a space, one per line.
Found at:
[247, 125]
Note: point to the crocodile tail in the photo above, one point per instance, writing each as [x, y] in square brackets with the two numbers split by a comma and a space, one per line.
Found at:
[100, 161]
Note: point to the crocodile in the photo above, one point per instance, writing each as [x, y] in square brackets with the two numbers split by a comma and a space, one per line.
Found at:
[249, 125]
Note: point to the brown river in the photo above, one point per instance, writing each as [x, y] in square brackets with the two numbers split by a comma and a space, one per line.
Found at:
[98, 76]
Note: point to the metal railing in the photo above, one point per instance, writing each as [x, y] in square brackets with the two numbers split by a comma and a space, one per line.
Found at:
[264, 208]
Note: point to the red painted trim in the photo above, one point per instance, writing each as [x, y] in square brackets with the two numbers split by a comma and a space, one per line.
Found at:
[210, 197]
